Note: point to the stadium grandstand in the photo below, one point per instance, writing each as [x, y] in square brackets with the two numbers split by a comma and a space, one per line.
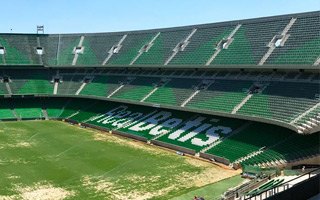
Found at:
[239, 93]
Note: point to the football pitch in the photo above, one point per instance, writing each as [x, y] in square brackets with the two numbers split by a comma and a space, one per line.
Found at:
[55, 160]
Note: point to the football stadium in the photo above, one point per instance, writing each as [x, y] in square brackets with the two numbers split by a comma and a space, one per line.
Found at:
[225, 110]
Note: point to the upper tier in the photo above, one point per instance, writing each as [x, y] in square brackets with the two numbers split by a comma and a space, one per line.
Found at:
[280, 41]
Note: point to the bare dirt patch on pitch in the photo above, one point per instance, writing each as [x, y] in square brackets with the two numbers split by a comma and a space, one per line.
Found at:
[11, 129]
[118, 193]
[6, 198]
[129, 143]
[16, 145]
[20, 145]
[209, 174]
[45, 193]
[145, 186]
[40, 191]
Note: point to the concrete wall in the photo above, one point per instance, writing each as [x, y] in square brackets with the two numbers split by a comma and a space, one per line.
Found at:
[215, 158]
[174, 147]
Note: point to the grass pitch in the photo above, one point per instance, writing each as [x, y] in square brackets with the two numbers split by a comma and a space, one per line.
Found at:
[54, 160]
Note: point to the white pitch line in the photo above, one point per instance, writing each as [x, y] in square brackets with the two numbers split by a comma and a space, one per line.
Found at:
[34, 135]
[70, 148]
[66, 150]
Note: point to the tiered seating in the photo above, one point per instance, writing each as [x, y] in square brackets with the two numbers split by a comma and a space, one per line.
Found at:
[258, 105]
[102, 85]
[295, 147]
[174, 92]
[50, 44]
[316, 78]
[137, 89]
[247, 48]
[35, 83]
[162, 48]
[313, 117]
[245, 142]
[27, 108]
[278, 143]
[55, 106]
[249, 45]
[202, 46]
[265, 187]
[282, 101]
[250, 42]
[19, 49]
[291, 75]
[75, 105]
[88, 57]
[222, 95]
[70, 84]
[66, 45]
[249, 140]
[18, 81]
[95, 108]
[305, 76]
[101, 108]
[233, 124]
[130, 48]
[302, 46]
[3, 89]
[99, 45]
[6, 110]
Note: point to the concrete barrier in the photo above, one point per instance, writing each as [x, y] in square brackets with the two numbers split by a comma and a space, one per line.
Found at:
[215, 158]
[132, 136]
[173, 147]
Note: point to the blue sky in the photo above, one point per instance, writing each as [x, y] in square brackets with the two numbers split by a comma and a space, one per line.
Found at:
[71, 16]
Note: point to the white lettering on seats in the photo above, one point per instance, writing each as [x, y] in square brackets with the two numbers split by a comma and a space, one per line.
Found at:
[94, 118]
[111, 113]
[188, 125]
[212, 135]
[160, 123]
[151, 122]
[121, 122]
[194, 132]
[170, 123]
[119, 115]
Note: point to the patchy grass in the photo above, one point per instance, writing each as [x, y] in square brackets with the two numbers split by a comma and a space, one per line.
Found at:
[54, 160]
